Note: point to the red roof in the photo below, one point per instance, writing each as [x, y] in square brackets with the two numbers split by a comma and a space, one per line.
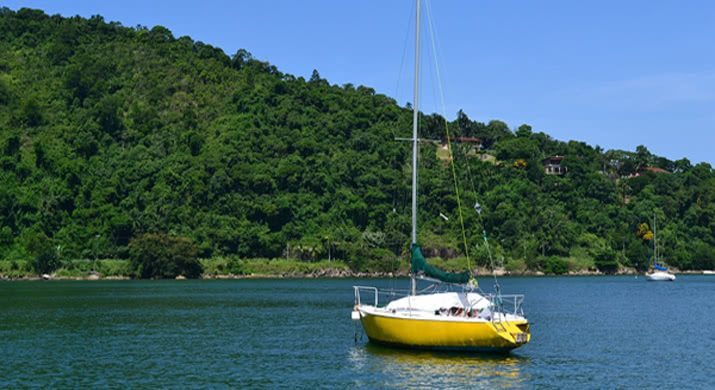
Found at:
[654, 170]
[473, 140]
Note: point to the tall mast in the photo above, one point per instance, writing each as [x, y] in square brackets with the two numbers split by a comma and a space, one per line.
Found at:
[655, 241]
[415, 118]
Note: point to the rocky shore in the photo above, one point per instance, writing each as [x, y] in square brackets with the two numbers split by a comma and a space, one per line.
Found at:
[337, 273]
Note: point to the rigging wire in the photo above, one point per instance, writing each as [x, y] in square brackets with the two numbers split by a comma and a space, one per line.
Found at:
[477, 208]
[400, 71]
[433, 39]
[449, 141]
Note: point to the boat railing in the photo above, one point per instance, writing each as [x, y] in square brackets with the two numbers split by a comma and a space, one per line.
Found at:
[507, 304]
[498, 303]
[359, 290]
[374, 294]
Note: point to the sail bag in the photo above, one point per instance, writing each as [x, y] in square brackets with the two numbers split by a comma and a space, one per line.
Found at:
[421, 267]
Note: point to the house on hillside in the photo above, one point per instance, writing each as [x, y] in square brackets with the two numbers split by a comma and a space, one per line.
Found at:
[476, 143]
[646, 169]
[653, 169]
[552, 165]
[474, 146]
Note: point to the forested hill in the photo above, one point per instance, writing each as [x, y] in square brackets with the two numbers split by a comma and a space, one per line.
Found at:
[109, 132]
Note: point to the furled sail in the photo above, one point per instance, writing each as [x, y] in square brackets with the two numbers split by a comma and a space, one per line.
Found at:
[420, 266]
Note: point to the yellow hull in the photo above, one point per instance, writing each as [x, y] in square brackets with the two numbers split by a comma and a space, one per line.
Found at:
[446, 334]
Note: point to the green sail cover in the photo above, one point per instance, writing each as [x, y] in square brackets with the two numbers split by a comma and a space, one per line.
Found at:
[420, 265]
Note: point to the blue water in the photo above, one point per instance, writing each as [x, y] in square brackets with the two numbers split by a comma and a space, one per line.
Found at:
[588, 332]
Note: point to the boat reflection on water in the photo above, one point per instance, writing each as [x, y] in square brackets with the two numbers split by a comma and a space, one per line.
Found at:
[414, 368]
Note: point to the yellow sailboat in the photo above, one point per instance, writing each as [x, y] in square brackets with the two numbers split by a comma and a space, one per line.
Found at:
[451, 313]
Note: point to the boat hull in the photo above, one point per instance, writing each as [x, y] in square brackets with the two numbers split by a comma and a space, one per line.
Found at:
[466, 335]
[660, 277]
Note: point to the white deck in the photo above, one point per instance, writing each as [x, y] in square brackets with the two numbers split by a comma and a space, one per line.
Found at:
[426, 307]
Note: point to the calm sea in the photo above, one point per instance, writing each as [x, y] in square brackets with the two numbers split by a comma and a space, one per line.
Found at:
[588, 332]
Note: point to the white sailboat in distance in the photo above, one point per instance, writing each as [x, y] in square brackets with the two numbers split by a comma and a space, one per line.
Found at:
[659, 273]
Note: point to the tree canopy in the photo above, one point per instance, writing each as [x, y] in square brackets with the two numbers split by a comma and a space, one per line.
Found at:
[109, 133]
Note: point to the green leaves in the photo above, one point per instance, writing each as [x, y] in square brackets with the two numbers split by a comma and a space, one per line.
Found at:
[160, 256]
[45, 257]
[107, 133]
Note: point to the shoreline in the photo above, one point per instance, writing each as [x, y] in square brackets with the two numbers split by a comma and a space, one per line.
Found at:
[330, 274]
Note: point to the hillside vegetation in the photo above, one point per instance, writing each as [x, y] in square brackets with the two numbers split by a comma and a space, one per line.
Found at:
[109, 133]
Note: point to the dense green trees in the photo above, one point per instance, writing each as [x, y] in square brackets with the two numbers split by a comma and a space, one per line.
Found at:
[108, 133]
[45, 258]
[162, 256]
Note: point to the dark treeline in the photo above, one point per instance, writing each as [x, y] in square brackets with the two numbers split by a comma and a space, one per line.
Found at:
[109, 133]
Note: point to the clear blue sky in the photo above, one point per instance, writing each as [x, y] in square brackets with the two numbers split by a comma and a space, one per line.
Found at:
[611, 73]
